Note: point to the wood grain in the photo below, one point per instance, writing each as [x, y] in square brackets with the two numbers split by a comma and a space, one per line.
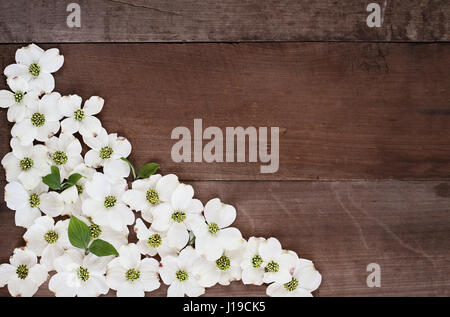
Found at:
[219, 20]
[343, 226]
[345, 110]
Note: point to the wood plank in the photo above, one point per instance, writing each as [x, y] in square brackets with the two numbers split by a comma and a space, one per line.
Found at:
[404, 226]
[218, 21]
[345, 110]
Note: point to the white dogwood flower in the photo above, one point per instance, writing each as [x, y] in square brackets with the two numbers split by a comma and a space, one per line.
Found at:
[179, 273]
[64, 152]
[278, 263]
[23, 275]
[36, 66]
[150, 192]
[252, 263]
[106, 233]
[130, 276]
[81, 120]
[105, 205]
[178, 216]
[17, 100]
[25, 202]
[305, 279]
[47, 239]
[224, 270]
[152, 242]
[214, 237]
[26, 164]
[79, 275]
[40, 122]
[107, 151]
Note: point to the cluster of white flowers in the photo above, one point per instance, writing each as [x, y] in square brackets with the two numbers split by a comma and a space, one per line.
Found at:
[190, 246]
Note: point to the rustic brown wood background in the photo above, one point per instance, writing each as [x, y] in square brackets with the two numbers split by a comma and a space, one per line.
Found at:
[364, 116]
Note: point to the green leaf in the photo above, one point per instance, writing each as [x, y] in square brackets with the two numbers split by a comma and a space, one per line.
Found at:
[131, 166]
[74, 178]
[100, 247]
[53, 180]
[147, 170]
[79, 233]
[71, 181]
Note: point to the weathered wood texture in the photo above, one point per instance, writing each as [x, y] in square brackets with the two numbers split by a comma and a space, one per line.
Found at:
[219, 20]
[343, 226]
[345, 110]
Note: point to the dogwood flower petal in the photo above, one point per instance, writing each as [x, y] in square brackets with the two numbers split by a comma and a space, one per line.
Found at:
[116, 169]
[6, 99]
[161, 217]
[182, 196]
[17, 70]
[93, 105]
[221, 214]
[51, 61]
[178, 236]
[230, 238]
[28, 54]
[166, 186]
[308, 277]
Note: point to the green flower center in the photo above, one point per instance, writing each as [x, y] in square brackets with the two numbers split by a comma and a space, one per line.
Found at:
[95, 231]
[292, 285]
[18, 96]
[154, 240]
[83, 273]
[34, 69]
[26, 164]
[272, 267]
[213, 228]
[257, 261]
[132, 275]
[179, 216]
[59, 157]
[79, 189]
[51, 237]
[182, 275]
[223, 263]
[22, 271]
[152, 196]
[34, 200]
[78, 115]
[106, 152]
[110, 201]
[38, 119]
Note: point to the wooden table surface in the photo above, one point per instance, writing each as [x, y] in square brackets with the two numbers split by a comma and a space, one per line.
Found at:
[364, 117]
